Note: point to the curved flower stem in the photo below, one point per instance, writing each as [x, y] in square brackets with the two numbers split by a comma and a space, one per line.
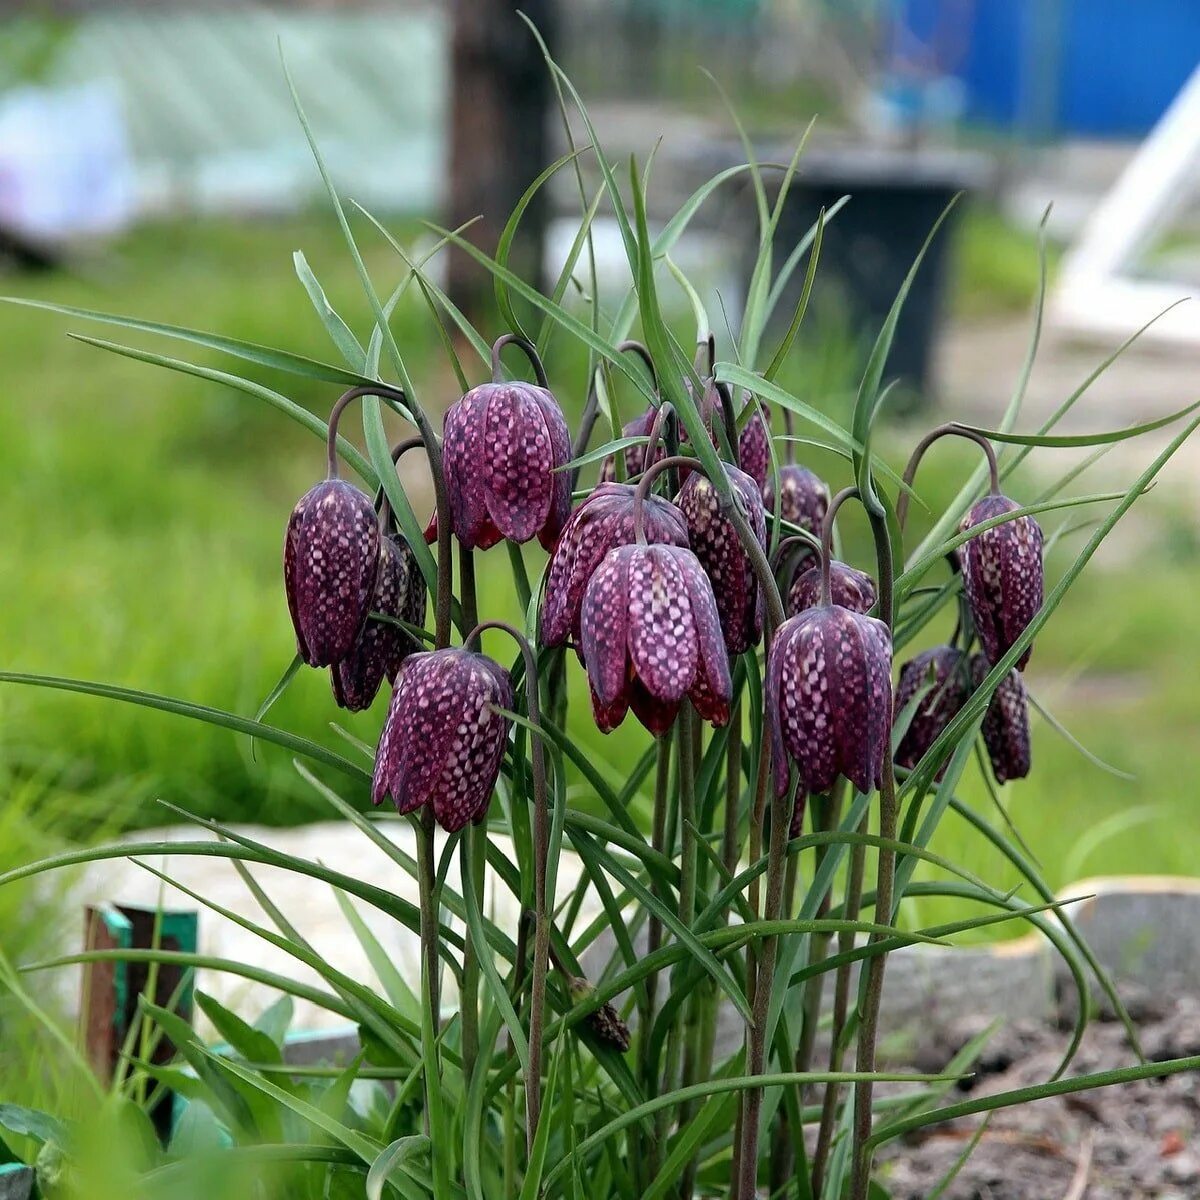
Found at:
[541, 844]
[732, 510]
[630, 346]
[850, 493]
[868, 1027]
[952, 429]
[382, 390]
[399, 450]
[530, 351]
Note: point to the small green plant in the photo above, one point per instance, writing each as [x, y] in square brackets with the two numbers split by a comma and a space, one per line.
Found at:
[788, 794]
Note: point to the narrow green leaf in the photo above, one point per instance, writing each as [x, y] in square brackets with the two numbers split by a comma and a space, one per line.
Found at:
[339, 332]
[1070, 441]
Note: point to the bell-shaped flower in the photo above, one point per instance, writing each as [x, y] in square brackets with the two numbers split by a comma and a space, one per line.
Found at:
[383, 645]
[1005, 724]
[650, 636]
[1003, 577]
[829, 699]
[444, 739]
[330, 561]
[945, 671]
[603, 521]
[503, 447]
[716, 544]
[849, 587]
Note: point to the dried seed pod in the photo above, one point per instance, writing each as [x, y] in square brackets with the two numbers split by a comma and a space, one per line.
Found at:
[851, 588]
[650, 636]
[601, 523]
[1005, 724]
[502, 446]
[829, 699]
[945, 670]
[1003, 577]
[715, 542]
[443, 740]
[604, 1022]
[383, 646]
[330, 561]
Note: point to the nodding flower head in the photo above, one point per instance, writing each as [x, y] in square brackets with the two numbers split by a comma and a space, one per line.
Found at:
[946, 672]
[443, 740]
[803, 497]
[829, 699]
[1003, 577]
[651, 636]
[383, 645]
[848, 587]
[1005, 724]
[716, 544]
[754, 445]
[503, 448]
[330, 561]
[601, 523]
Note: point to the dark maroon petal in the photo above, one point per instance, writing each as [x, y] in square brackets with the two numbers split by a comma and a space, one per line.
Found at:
[604, 625]
[848, 588]
[780, 685]
[1006, 724]
[1003, 576]
[330, 560]
[609, 716]
[463, 457]
[387, 752]
[715, 542]
[712, 691]
[806, 705]
[877, 640]
[803, 497]
[658, 716]
[944, 669]
[662, 634]
[560, 482]
[382, 646]
[754, 453]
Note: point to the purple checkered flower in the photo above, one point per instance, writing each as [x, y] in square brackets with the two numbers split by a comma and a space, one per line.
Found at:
[502, 446]
[946, 671]
[443, 740]
[650, 636]
[716, 544]
[635, 456]
[383, 646]
[601, 523]
[848, 587]
[829, 699]
[330, 561]
[1003, 578]
[803, 497]
[1005, 724]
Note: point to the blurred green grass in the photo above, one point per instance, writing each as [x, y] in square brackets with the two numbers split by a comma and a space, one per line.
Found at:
[146, 515]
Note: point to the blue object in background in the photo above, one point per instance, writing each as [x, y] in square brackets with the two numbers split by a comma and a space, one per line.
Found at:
[1098, 68]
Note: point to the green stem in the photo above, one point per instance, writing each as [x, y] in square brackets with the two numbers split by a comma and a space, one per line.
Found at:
[426, 883]
[474, 854]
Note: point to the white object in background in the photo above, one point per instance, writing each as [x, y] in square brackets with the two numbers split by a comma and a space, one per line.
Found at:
[64, 162]
[1094, 294]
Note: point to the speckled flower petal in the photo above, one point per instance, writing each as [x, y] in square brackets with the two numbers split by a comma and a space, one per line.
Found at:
[657, 715]
[1006, 724]
[848, 588]
[382, 647]
[712, 691]
[463, 454]
[1003, 576]
[517, 461]
[944, 669]
[387, 753]
[662, 634]
[779, 678]
[560, 481]
[803, 497]
[609, 716]
[806, 702]
[715, 542]
[877, 644]
[754, 454]
[604, 627]
[330, 560]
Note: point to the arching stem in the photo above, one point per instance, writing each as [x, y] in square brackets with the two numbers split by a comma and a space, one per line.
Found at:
[951, 429]
[541, 844]
[850, 493]
[530, 351]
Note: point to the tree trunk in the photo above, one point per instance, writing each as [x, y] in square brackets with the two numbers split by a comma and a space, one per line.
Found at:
[498, 137]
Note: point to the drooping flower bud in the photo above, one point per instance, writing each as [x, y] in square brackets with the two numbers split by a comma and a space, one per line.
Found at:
[851, 588]
[501, 446]
[945, 671]
[604, 1022]
[330, 561]
[716, 544]
[1002, 576]
[1005, 724]
[829, 699]
[602, 522]
[383, 645]
[651, 636]
[443, 740]
[803, 497]
[754, 445]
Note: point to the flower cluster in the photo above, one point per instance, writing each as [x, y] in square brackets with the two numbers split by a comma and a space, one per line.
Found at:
[658, 592]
